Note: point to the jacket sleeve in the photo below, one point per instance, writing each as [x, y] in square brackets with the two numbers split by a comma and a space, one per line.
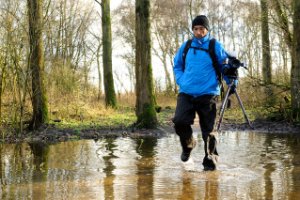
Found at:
[178, 64]
[221, 54]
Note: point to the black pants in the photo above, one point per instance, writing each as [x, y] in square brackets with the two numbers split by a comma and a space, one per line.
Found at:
[186, 109]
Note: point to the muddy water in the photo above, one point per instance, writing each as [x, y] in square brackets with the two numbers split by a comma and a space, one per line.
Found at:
[251, 166]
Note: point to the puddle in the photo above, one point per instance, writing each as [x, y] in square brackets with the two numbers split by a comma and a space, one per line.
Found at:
[251, 166]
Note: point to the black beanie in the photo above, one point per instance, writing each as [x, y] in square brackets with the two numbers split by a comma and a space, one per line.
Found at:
[201, 20]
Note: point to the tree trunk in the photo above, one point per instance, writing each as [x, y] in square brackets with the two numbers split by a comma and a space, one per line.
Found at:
[99, 72]
[266, 54]
[295, 71]
[1, 89]
[110, 96]
[284, 23]
[36, 63]
[145, 101]
[163, 59]
[284, 54]
[167, 74]
[293, 44]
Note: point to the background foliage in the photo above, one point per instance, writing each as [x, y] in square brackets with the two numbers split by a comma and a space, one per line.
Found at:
[73, 54]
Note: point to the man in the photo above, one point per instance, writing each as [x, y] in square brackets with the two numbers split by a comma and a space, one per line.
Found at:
[198, 90]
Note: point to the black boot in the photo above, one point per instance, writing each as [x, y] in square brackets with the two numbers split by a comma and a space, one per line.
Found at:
[212, 145]
[211, 155]
[187, 147]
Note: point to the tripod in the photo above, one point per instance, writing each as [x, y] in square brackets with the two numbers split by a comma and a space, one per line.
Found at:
[224, 103]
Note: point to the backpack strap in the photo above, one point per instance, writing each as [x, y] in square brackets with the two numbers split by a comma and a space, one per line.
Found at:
[214, 58]
[212, 53]
[185, 51]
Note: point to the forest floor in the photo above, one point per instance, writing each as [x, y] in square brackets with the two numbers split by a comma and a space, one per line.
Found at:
[55, 132]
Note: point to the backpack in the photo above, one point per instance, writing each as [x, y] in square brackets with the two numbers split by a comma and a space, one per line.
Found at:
[212, 54]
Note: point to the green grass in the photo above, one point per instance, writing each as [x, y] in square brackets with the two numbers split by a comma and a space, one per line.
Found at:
[119, 118]
[91, 114]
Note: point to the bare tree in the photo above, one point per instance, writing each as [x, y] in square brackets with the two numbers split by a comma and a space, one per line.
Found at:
[36, 62]
[99, 70]
[125, 15]
[163, 37]
[295, 72]
[283, 23]
[145, 100]
[109, 89]
[293, 43]
[266, 52]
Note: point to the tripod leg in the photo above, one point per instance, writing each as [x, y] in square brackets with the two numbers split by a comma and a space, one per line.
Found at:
[243, 109]
[222, 110]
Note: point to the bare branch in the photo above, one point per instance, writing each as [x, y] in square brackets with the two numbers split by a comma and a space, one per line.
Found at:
[98, 2]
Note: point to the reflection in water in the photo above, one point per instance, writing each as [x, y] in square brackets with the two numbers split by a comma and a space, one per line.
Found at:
[188, 187]
[40, 153]
[294, 175]
[269, 169]
[109, 168]
[252, 166]
[145, 167]
[211, 190]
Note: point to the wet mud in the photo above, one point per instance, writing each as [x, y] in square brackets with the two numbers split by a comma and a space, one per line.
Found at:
[52, 134]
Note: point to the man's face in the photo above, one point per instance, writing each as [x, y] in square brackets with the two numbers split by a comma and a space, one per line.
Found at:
[199, 31]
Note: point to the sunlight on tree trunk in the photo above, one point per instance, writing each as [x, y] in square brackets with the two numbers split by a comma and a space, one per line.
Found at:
[36, 62]
[145, 101]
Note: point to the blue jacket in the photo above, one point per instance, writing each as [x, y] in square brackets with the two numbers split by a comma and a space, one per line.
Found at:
[199, 76]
